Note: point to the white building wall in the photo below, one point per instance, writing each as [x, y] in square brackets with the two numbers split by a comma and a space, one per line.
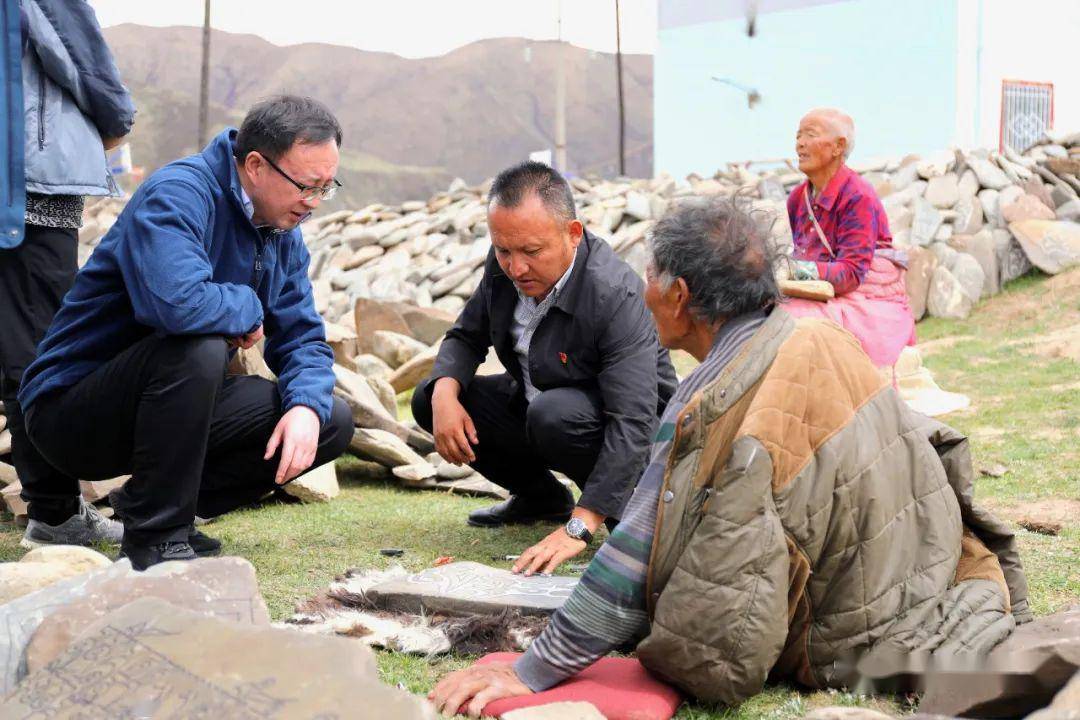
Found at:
[1030, 40]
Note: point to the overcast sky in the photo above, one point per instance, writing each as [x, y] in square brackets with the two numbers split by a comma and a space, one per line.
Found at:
[412, 28]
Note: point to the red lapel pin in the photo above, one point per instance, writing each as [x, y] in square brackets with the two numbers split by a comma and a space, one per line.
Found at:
[562, 356]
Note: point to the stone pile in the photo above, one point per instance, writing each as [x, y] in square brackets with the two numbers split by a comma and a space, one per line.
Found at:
[390, 279]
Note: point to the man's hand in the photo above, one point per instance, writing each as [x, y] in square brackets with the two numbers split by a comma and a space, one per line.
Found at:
[297, 433]
[245, 342]
[454, 431]
[469, 690]
[558, 547]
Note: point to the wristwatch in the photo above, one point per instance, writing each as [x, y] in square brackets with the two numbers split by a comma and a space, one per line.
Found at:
[577, 530]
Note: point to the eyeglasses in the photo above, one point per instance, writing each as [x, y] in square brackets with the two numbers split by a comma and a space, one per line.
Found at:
[307, 192]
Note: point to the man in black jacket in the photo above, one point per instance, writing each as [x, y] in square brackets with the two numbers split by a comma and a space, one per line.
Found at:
[586, 377]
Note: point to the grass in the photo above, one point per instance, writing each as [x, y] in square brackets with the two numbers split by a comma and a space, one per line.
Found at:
[1024, 415]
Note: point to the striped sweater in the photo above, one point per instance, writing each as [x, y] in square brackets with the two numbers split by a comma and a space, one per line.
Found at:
[607, 608]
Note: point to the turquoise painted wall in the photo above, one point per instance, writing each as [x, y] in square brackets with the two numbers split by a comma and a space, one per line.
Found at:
[890, 64]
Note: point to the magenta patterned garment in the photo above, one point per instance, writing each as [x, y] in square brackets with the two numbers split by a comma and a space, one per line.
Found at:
[853, 220]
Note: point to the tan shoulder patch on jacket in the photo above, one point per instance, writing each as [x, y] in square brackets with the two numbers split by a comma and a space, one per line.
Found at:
[820, 378]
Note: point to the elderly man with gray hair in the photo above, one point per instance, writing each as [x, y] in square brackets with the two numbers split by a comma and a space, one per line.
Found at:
[794, 512]
[841, 235]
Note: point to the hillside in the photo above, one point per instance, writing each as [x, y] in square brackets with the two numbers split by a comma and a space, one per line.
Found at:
[410, 125]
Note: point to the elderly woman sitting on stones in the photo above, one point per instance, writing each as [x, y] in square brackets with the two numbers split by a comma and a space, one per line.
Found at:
[794, 512]
[842, 236]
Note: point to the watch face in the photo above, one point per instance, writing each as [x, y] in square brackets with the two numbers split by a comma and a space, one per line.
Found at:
[575, 528]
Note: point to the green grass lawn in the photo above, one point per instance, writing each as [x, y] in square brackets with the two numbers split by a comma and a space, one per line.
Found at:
[1009, 357]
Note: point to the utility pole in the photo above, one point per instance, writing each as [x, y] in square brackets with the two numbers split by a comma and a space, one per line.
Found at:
[560, 99]
[622, 110]
[204, 89]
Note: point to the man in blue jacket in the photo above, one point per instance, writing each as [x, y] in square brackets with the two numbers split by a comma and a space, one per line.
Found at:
[130, 377]
[73, 108]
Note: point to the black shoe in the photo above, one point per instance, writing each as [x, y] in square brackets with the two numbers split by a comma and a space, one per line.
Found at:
[519, 511]
[143, 556]
[202, 544]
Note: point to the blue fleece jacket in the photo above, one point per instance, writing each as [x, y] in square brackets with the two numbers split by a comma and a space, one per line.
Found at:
[184, 259]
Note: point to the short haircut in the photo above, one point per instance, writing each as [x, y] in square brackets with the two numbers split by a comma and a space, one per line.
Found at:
[514, 184]
[842, 125]
[274, 125]
[723, 250]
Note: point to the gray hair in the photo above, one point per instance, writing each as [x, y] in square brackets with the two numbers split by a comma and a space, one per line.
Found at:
[723, 251]
[841, 124]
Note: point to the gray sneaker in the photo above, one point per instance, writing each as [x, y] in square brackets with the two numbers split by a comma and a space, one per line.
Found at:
[89, 526]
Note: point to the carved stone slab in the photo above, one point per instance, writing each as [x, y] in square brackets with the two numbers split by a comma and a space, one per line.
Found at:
[35, 628]
[151, 659]
[469, 587]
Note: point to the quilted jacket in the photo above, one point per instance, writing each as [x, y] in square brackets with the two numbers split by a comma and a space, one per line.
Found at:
[809, 520]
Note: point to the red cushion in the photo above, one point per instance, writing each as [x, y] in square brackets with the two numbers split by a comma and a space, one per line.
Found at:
[620, 688]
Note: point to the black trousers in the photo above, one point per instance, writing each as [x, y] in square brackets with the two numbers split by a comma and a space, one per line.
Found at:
[192, 439]
[521, 443]
[34, 277]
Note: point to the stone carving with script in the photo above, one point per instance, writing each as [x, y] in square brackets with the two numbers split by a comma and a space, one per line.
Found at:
[468, 587]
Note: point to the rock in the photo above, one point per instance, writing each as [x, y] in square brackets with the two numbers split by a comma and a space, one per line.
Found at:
[1012, 260]
[969, 216]
[926, 222]
[395, 348]
[946, 255]
[476, 485]
[355, 390]
[343, 341]
[317, 485]
[947, 298]
[150, 658]
[79, 559]
[970, 275]
[1069, 211]
[943, 191]
[224, 587]
[1020, 675]
[7, 474]
[42, 567]
[570, 710]
[1026, 207]
[843, 712]
[363, 256]
[990, 175]
[412, 372]
[367, 471]
[428, 325]
[383, 447]
[921, 265]
[468, 587]
[5, 442]
[981, 247]
[98, 490]
[1066, 704]
[415, 474]
[12, 501]
[638, 206]
[900, 217]
[370, 365]
[1051, 245]
[383, 390]
[968, 185]
[989, 200]
[250, 362]
[449, 471]
[372, 316]
[1009, 195]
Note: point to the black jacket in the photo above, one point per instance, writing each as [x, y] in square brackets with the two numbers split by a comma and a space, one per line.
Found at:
[597, 335]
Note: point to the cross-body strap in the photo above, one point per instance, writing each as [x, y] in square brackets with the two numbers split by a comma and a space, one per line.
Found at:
[813, 219]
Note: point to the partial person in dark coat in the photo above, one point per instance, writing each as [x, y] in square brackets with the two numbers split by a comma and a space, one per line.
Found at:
[585, 376]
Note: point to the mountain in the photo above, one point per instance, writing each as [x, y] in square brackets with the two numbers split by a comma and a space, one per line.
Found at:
[410, 125]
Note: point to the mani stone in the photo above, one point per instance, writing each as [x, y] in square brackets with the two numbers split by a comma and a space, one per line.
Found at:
[395, 348]
[1051, 245]
[468, 587]
[36, 627]
[152, 659]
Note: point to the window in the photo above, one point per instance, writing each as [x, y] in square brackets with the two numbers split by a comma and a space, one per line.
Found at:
[1027, 112]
